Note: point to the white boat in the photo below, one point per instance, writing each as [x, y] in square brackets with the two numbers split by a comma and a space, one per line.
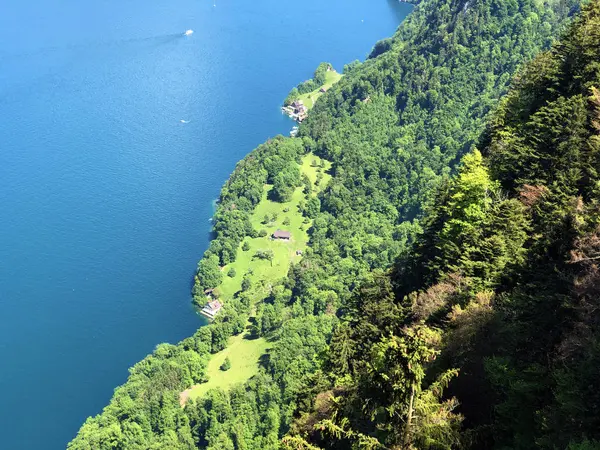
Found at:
[189, 32]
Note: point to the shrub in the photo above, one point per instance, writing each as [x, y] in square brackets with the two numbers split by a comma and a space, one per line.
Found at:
[246, 284]
[226, 365]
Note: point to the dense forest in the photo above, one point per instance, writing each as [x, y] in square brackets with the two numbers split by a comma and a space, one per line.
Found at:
[486, 334]
[437, 306]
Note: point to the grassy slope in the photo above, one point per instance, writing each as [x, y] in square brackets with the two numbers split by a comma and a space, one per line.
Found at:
[243, 353]
[264, 271]
[309, 99]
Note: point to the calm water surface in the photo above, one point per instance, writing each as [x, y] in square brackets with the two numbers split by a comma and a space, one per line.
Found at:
[105, 194]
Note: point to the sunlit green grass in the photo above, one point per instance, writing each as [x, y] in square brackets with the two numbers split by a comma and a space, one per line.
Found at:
[310, 98]
[265, 272]
[243, 353]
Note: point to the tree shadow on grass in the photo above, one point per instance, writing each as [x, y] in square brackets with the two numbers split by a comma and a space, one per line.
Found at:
[250, 334]
[264, 360]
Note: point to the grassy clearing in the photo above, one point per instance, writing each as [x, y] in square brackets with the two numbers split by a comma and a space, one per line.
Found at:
[311, 167]
[309, 99]
[244, 353]
[265, 272]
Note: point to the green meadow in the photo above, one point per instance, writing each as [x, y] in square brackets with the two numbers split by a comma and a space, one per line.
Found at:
[288, 218]
[310, 98]
[245, 353]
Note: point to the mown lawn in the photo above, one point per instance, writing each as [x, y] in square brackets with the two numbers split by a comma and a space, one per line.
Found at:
[310, 98]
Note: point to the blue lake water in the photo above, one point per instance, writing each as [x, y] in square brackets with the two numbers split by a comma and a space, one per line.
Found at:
[105, 194]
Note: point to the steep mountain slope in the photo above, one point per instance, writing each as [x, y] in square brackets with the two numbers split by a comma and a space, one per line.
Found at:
[396, 124]
[498, 303]
[392, 129]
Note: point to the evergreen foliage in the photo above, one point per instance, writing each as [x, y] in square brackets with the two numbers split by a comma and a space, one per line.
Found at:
[498, 300]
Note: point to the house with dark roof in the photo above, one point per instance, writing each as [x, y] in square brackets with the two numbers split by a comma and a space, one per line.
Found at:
[299, 107]
[281, 235]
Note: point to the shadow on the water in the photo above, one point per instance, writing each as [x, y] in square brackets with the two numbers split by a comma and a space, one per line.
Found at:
[399, 9]
[192, 281]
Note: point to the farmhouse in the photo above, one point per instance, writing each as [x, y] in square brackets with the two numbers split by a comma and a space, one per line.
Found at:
[281, 235]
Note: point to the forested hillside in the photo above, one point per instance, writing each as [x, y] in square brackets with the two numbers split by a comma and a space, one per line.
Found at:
[392, 128]
[487, 335]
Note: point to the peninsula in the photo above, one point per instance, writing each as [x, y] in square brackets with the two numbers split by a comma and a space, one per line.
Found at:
[302, 98]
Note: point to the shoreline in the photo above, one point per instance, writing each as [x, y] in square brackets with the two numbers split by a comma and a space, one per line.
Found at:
[240, 196]
[303, 97]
